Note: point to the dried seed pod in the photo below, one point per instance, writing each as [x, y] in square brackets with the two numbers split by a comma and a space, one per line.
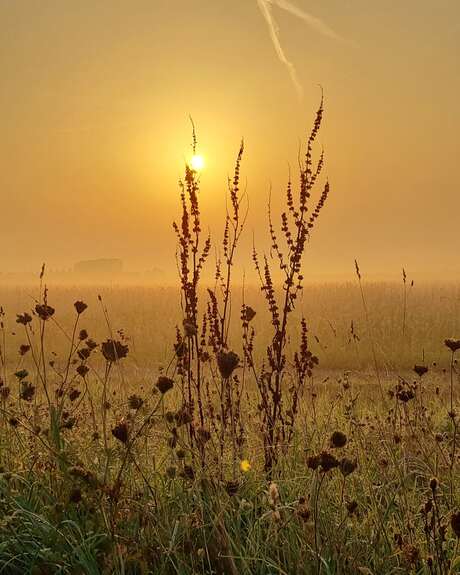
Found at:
[338, 439]
[420, 370]
[273, 494]
[227, 362]
[453, 344]
[114, 350]
[80, 307]
[135, 402]
[44, 311]
[352, 506]
[121, 432]
[164, 384]
[23, 318]
[348, 466]
[313, 462]
[328, 461]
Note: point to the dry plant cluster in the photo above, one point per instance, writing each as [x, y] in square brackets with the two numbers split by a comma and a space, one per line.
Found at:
[236, 457]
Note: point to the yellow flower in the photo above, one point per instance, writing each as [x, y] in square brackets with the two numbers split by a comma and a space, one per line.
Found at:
[245, 466]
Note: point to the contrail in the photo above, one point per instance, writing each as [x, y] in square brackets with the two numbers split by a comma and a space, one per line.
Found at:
[266, 9]
[316, 23]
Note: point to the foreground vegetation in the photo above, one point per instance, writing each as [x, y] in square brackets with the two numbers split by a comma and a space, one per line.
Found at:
[238, 455]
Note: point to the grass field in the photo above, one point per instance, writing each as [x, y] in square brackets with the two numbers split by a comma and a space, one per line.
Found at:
[149, 316]
[180, 513]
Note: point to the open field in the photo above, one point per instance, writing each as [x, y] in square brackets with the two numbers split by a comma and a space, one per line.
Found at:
[149, 316]
[105, 477]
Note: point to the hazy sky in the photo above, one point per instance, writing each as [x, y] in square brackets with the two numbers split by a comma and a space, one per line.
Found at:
[94, 105]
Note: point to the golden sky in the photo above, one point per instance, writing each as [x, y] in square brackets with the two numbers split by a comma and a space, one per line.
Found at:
[94, 105]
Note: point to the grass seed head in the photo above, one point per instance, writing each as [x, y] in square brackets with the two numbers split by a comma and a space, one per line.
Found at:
[273, 494]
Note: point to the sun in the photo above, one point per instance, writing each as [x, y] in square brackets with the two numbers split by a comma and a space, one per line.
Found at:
[197, 163]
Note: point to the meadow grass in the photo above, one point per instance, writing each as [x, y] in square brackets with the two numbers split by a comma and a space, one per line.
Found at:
[149, 315]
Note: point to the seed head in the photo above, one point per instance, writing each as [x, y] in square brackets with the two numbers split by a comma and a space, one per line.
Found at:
[338, 439]
[120, 432]
[80, 307]
[74, 394]
[453, 344]
[348, 466]
[352, 506]
[164, 384]
[303, 510]
[135, 402]
[313, 462]
[227, 362]
[23, 318]
[273, 494]
[83, 335]
[44, 311]
[420, 370]
[82, 370]
[27, 391]
[328, 461]
[405, 395]
[113, 350]
[189, 328]
[248, 313]
[91, 344]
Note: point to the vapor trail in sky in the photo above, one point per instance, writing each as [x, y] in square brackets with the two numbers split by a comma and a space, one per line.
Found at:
[266, 6]
[266, 9]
